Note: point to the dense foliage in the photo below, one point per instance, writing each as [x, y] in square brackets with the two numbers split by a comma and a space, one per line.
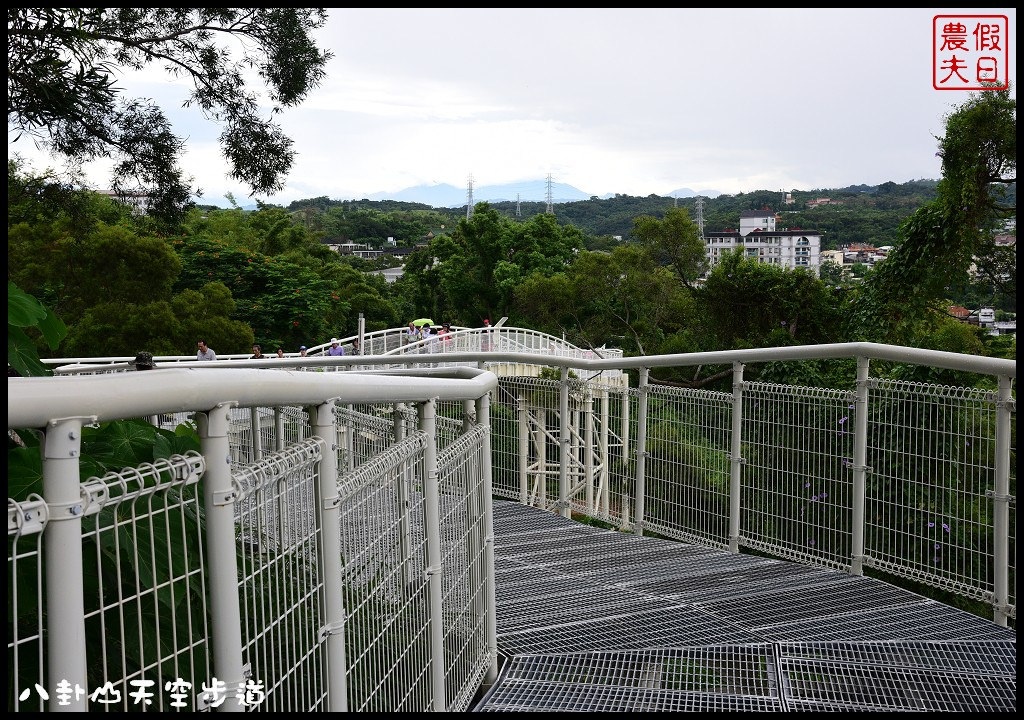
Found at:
[62, 68]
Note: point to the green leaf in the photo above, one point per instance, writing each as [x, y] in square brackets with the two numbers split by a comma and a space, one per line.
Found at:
[22, 354]
[24, 472]
[53, 329]
[23, 310]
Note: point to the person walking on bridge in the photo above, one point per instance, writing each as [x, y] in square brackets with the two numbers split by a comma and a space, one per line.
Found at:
[205, 351]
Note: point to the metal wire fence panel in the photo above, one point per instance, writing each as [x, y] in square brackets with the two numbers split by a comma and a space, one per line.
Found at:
[931, 450]
[26, 666]
[145, 586]
[687, 467]
[280, 584]
[363, 432]
[450, 422]
[463, 547]
[797, 477]
[385, 583]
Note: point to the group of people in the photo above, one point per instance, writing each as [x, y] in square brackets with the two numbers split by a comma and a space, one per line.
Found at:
[207, 353]
[434, 335]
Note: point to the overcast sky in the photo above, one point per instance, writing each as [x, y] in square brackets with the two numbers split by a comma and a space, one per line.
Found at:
[634, 101]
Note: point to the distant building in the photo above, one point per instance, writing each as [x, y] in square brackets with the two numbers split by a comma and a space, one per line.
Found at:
[823, 201]
[959, 312]
[759, 238]
[137, 201]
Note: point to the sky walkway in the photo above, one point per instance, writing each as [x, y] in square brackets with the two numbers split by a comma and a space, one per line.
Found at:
[597, 620]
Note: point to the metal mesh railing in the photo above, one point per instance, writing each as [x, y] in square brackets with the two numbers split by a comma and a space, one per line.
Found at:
[26, 657]
[932, 457]
[797, 447]
[687, 468]
[145, 599]
[279, 579]
[462, 517]
[383, 572]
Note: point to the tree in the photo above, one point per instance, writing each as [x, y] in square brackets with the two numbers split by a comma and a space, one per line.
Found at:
[620, 298]
[940, 241]
[750, 303]
[674, 241]
[473, 273]
[61, 74]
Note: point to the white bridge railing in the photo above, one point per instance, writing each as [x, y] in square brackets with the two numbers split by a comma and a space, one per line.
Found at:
[328, 548]
[913, 480]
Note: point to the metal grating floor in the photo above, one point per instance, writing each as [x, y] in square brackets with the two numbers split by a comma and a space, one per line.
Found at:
[596, 620]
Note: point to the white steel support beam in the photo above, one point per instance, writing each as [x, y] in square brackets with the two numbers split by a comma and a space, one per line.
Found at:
[641, 451]
[1001, 499]
[736, 466]
[860, 468]
[435, 567]
[62, 550]
[563, 444]
[483, 417]
[219, 497]
[322, 420]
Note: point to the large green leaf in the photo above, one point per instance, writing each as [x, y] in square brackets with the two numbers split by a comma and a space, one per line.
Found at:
[24, 472]
[22, 354]
[23, 310]
[53, 329]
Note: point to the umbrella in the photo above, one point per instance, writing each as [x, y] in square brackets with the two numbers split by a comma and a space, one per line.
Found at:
[422, 321]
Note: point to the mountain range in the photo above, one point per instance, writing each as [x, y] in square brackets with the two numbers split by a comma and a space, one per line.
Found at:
[449, 196]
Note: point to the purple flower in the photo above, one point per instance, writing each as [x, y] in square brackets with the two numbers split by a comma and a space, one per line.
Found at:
[851, 407]
[811, 541]
[931, 524]
[945, 527]
[807, 484]
[967, 443]
[824, 495]
[843, 419]
[935, 560]
[938, 545]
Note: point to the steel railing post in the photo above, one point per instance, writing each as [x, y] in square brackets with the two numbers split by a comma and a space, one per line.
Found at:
[860, 468]
[219, 496]
[563, 444]
[1001, 504]
[279, 429]
[435, 568]
[523, 413]
[62, 552]
[404, 481]
[588, 448]
[641, 451]
[254, 424]
[736, 457]
[329, 521]
[483, 416]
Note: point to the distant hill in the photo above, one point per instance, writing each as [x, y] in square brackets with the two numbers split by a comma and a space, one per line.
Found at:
[687, 192]
[443, 195]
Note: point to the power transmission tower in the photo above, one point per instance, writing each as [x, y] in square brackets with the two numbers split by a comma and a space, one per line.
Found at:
[550, 211]
[519, 212]
[469, 198]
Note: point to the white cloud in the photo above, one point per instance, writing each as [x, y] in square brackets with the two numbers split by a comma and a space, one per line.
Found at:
[631, 101]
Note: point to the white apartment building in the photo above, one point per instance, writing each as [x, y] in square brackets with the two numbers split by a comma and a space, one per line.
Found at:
[786, 248]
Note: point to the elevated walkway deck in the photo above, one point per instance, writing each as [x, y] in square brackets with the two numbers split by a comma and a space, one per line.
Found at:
[597, 620]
